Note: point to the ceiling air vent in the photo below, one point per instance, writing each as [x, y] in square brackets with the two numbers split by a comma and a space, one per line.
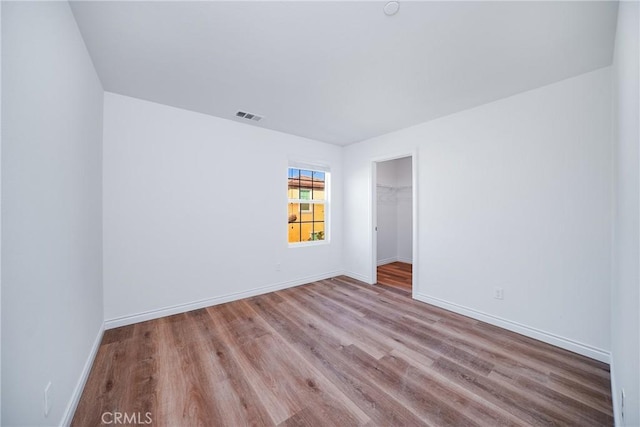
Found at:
[249, 116]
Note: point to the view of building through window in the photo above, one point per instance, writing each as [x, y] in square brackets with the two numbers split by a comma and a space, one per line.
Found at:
[307, 201]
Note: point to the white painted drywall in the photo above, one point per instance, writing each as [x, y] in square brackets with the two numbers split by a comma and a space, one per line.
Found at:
[51, 210]
[0, 213]
[387, 212]
[516, 194]
[195, 208]
[625, 296]
[404, 210]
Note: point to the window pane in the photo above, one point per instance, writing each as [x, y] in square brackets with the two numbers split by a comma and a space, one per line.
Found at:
[305, 195]
[318, 185]
[306, 230]
[318, 212]
[294, 213]
[306, 181]
[318, 231]
[294, 233]
[318, 194]
[293, 183]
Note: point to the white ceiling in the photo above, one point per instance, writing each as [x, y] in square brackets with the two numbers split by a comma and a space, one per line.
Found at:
[341, 72]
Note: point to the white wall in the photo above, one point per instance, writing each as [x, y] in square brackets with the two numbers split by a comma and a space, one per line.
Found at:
[192, 205]
[387, 212]
[404, 207]
[51, 219]
[515, 194]
[0, 213]
[625, 308]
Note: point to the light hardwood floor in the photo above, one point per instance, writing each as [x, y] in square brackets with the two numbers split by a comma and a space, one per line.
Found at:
[339, 353]
[396, 275]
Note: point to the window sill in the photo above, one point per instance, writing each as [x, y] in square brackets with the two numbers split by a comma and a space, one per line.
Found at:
[310, 243]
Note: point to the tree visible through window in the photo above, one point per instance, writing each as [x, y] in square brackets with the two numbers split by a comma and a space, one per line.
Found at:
[307, 201]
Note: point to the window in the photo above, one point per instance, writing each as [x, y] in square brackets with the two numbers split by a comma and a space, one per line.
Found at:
[307, 195]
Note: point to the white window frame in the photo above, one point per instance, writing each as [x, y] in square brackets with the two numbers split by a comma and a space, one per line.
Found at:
[325, 202]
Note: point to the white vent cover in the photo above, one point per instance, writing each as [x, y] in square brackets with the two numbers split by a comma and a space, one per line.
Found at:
[249, 116]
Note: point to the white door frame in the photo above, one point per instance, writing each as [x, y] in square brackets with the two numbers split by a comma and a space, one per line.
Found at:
[414, 216]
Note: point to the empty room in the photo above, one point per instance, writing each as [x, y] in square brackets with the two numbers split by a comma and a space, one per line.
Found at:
[320, 213]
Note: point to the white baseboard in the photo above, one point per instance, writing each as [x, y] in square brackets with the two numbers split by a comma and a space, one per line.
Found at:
[562, 342]
[77, 391]
[394, 259]
[183, 308]
[387, 261]
[359, 277]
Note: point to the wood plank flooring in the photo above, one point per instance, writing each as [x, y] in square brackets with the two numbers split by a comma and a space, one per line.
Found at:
[338, 353]
[396, 275]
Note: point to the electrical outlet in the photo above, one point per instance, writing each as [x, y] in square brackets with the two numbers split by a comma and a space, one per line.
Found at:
[622, 404]
[498, 293]
[278, 266]
[47, 399]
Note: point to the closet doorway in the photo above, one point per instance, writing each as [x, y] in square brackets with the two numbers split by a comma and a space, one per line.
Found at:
[393, 219]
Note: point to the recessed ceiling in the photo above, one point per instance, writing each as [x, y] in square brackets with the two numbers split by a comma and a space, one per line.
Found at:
[341, 72]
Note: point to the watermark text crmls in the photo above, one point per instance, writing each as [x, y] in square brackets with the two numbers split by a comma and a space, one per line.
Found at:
[128, 418]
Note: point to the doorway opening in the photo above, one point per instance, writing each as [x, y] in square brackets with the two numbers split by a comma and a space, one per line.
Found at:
[393, 213]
